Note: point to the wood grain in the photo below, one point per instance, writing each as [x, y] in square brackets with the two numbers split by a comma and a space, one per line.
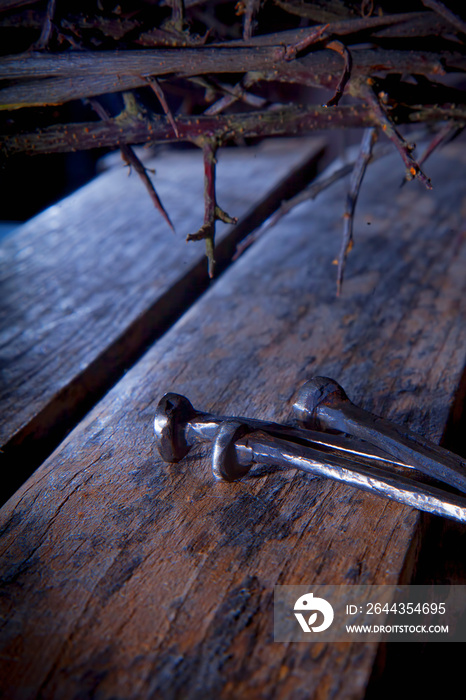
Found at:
[124, 577]
[86, 285]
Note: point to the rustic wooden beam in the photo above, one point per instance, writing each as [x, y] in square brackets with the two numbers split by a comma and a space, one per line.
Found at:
[102, 276]
[124, 576]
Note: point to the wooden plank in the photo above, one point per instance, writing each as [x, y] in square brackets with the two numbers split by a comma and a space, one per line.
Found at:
[90, 282]
[126, 577]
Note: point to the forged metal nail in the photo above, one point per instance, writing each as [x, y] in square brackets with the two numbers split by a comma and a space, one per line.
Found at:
[240, 443]
[171, 419]
[178, 426]
[322, 403]
[228, 462]
[260, 448]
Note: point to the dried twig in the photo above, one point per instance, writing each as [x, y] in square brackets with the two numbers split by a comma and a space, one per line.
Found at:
[447, 133]
[233, 94]
[131, 159]
[212, 212]
[403, 147]
[309, 193]
[445, 12]
[362, 161]
[283, 122]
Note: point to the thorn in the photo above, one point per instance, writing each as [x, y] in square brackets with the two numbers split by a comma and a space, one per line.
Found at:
[449, 132]
[293, 49]
[445, 12]
[212, 212]
[223, 216]
[155, 85]
[130, 159]
[345, 54]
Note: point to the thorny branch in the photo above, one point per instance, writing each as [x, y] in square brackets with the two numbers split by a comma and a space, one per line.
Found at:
[309, 193]
[405, 149]
[130, 158]
[447, 13]
[37, 79]
[212, 211]
[398, 69]
[447, 133]
[357, 169]
[289, 121]
[365, 154]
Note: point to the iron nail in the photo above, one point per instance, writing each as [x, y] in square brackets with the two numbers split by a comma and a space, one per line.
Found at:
[239, 443]
[323, 403]
[178, 426]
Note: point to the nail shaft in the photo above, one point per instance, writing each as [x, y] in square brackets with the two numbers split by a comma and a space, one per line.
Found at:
[260, 448]
[205, 426]
[322, 402]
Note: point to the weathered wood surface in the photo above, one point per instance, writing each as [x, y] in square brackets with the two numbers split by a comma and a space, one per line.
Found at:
[123, 577]
[87, 284]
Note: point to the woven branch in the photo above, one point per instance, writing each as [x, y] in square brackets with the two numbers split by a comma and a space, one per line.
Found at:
[196, 63]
